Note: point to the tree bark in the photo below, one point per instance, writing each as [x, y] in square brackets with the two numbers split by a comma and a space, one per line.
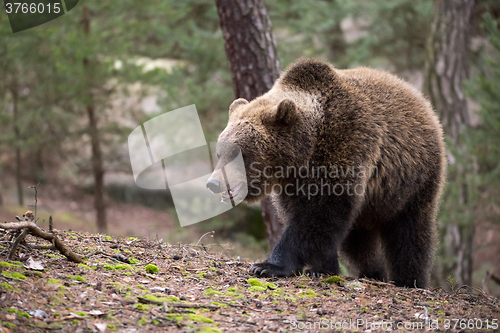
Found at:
[445, 72]
[97, 165]
[254, 64]
[17, 136]
[447, 63]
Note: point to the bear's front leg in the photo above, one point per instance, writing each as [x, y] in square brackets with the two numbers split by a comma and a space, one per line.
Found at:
[284, 259]
[311, 238]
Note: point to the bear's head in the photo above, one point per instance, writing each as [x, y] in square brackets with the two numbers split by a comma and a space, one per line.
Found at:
[269, 133]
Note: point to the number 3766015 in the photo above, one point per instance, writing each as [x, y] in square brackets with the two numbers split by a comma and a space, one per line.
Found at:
[25, 8]
[471, 324]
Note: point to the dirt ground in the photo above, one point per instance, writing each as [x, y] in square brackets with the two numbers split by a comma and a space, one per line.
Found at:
[136, 285]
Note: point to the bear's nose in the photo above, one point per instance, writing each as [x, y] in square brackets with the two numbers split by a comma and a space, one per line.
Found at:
[214, 186]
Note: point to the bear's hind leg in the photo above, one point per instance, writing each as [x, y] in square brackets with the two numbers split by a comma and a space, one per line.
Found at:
[362, 248]
[409, 243]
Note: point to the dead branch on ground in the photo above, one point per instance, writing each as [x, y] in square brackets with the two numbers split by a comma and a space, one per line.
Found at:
[34, 230]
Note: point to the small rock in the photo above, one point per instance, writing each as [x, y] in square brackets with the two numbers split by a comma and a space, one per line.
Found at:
[39, 314]
[121, 257]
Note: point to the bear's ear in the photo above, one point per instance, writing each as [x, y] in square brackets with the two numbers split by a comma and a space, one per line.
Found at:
[234, 105]
[285, 113]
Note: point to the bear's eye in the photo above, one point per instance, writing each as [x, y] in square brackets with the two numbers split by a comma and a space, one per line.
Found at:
[233, 153]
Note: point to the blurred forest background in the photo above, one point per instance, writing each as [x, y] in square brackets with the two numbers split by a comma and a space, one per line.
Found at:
[72, 90]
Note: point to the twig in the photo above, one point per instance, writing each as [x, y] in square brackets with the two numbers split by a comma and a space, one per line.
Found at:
[377, 283]
[51, 224]
[36, 231]
[42, 247]
[36, 195]
[208, 233]
[178, 305]
[19, 239]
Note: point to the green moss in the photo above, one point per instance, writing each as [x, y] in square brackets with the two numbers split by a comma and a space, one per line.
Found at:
[213, 269]
[55, 256]
[309, 293]
[256, 285]
[199, 319]
[364, 308]
[123, 266]
[278, 292]
[127, 273]
[77, 278]
[83, 266]
[333, 279]
[106, 237]
[219, 304]
[174, 316]
[142, 321]
[83, 314]
[9, 325]
[211, 292]
[17, 275]
[11, 310]
[53, 281]
[109, 267]
[55, 326]
[201, 274]
[111, 327]
[133, 239]
[7, 286]
[142, 307]
[162, 299]
[133, 261]
[151, 269]
[23, 314]
[206, 329]
[256, 282]
[14, 275]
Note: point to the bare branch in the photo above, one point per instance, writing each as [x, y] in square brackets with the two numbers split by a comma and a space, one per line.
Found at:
[36, 231]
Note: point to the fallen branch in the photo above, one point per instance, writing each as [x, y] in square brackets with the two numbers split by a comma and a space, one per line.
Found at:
[18, 241]
[36, 231]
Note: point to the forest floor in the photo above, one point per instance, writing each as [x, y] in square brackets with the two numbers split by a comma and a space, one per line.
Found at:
[198, 288]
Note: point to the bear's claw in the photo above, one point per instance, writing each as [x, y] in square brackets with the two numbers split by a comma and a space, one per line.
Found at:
[313, 274]
[267, 270]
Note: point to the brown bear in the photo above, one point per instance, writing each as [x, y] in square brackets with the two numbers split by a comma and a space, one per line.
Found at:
[354, 161]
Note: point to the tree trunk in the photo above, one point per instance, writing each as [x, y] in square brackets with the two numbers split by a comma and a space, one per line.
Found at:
[97, 165]
[445, 72]
[251, 53]
[17, 136]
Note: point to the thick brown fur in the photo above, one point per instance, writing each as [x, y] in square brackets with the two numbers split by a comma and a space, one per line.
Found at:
[361, 118]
